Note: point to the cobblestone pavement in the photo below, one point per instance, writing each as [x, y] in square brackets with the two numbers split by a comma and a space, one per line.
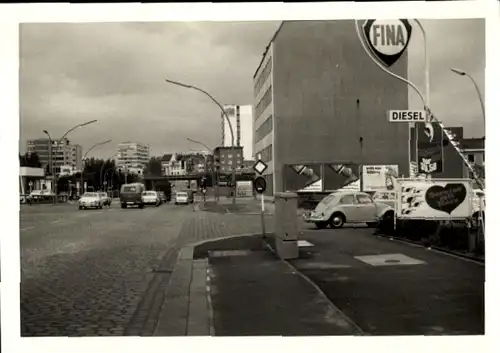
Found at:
[104, 272]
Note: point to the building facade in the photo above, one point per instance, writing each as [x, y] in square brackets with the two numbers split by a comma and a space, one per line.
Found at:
[133, 156]
[226, 159]
[318, 98]
[241, 117]
[62, 155]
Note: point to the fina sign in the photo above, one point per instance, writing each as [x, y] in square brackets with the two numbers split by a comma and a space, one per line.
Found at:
[387, 39]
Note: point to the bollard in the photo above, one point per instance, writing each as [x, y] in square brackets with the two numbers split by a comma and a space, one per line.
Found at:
[286, 226]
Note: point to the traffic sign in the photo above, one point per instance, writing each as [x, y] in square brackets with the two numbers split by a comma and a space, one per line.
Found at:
[387, 39]
[30, 183]
[260, 167]
[204, 191]
[259, 184]
[407, 116]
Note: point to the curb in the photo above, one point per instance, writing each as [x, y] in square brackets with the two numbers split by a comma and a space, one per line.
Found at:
[359, 331]
[186, 308]
[435, 249]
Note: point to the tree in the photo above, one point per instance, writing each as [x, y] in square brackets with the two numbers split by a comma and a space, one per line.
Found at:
[154, 167]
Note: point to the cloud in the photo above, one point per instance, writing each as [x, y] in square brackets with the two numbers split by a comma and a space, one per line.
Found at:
[114, 72]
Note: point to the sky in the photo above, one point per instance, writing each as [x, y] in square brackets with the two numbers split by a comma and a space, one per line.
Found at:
[114, 72]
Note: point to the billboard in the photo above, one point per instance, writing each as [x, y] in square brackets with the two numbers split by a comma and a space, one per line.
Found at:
[316, 177]
[436, 199]
[429, 148]
[244, 188]
[379, 177]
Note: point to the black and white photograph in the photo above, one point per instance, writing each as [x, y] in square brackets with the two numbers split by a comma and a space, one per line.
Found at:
[251, 178]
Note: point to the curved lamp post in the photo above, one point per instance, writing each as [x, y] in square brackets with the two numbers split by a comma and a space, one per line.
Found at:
[214, 181]
[54, 175]
[84, 159]
[228, 121]
[463, 73]
[50, 165]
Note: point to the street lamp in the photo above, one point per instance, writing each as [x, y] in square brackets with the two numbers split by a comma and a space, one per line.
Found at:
[463, 73]
[50, 165]
[102, 168]
[228, 121]
[84, 158]
[214, 181]
[54, 176]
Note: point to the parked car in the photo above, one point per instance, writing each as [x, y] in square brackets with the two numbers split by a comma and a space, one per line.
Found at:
[151, 198]
[90, 200]
[342, 207]
[131, 194]
[162, 196]
[106, 199]
[181, 198]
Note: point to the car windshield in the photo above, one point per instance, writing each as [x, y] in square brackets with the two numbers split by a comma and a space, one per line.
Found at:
[129, 189]
[90, 194]
[149, 193]
[181, 194]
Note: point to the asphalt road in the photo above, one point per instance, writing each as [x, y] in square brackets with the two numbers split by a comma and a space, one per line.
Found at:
[92, 272]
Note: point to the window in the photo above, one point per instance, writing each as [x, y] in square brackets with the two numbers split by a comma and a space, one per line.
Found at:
[263, 76]
[264, 129]
[230, 162]
[229, 156]
[266, 153]
[237, 155]
[263, 103]
[471, 158]
[347, 200]
[363, 199]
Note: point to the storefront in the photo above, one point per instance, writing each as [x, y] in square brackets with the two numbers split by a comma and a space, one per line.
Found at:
[32, 179]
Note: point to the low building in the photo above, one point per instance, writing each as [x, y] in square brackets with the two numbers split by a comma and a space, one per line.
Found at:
[228, 158]
[32, 179]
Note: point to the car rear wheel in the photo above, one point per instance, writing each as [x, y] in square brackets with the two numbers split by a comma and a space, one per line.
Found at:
[141, 205]
[80, 207]
[337, 220]
[124, 205]
[371, 224]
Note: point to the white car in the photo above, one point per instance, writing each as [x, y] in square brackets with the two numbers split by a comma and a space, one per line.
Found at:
[150, 198]
[181, 197]
[343, 207]
[90, 200]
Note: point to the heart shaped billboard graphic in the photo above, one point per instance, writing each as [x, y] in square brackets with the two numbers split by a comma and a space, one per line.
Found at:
[446, 198]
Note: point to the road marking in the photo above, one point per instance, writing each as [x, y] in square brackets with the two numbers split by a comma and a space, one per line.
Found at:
[55, 221]
[27, 228]
[389, 260]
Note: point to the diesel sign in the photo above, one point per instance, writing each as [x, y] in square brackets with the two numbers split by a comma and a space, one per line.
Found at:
[406, 116]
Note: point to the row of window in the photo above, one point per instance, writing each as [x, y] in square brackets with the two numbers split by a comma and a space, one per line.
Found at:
[264, 129]
[263, 103]
[263, 77]
[266, 154]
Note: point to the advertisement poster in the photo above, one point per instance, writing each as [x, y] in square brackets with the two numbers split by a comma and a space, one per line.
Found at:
[341, 177]
[244, 188]
[303, 178]
[379, 177]
[437, 199]
[430, 148]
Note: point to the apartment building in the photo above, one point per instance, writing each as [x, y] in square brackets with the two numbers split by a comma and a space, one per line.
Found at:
[226, 159]
[132, 155]
[318, 98]
[62, 155]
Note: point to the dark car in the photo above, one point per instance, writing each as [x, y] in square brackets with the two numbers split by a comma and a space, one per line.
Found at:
[131, 195]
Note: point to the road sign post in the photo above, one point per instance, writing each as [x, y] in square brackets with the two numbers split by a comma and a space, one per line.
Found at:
[259, 184]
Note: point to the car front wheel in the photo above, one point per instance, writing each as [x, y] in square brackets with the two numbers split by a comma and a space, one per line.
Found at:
[337, 220]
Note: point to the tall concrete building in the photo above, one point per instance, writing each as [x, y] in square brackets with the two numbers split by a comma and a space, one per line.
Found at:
[318, 98]
[132, 155]
[242, 123]
[64, 154]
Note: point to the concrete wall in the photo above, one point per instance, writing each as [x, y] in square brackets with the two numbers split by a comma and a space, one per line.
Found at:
[320, 71]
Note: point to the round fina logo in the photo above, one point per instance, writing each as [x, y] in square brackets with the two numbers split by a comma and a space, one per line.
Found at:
[387, 39]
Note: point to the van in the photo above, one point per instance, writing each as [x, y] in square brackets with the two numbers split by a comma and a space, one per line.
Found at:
[131, 195]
